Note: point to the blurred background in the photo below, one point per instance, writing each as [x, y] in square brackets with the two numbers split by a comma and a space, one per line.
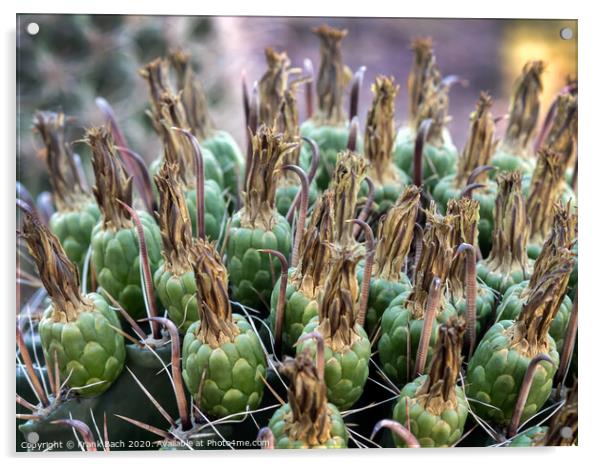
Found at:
[75, 58]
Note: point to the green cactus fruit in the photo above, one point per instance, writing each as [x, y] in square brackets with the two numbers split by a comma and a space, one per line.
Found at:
[465, 213]
[394, 238]
[403, 321]
[308, 420]
[220, 143]
[182, 150]
[76, 212]
[477, 153]
[507, 263]
[499, 364]
[434, 404]
[174, 279]
[306, 280]
[258, 225]
[223, 363]
[516, 150]
[80, 334]
[515, 298]
[347, 349]
[428, 100]
[115, 250]
[329, 126]
[562, 234]
[544, 193]
[379, 145]
[168, 110]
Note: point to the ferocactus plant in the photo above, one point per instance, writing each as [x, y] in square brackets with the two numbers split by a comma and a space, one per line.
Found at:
[115, 249]
[516, 148]
[76, 211]
[80, 334]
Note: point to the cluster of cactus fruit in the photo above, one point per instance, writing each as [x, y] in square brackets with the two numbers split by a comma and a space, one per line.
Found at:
[324, 286]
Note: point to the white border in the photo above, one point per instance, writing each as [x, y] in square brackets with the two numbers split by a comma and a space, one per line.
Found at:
[590, 139]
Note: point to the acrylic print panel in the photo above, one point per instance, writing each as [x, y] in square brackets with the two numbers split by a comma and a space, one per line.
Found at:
[270, 232]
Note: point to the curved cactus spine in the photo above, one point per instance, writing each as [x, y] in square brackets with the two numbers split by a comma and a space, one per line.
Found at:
[369, 260]
[398, 429]
[281, 298]
[429, 318]
[523, 392]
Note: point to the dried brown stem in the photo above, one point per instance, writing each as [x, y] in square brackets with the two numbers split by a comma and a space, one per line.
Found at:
[470, 282]
[151, 304]
[568, 347]
[420, 142]
[308, 68]
[365, 212]
[356, 86]
[176, 370]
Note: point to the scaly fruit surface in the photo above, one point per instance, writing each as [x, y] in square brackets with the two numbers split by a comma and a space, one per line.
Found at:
[308, 420]
[305, 282]
[428, 100]
[394, 238]
[516, 152]
[507, 263]
[258, 225]
[223, 364]
[76, 212]
[379, 145]
[79, 334]
[477, 153]
[403, 321]
[347, 348]
[115, 250]
[498, 366]
[174, 279]
[434, 404]
[329, 127]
